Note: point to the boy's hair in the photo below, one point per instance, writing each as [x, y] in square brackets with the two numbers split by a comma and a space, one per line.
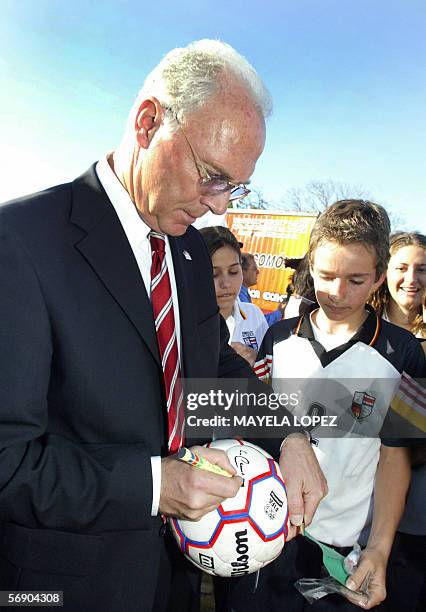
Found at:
[353, 222]
[217, 237]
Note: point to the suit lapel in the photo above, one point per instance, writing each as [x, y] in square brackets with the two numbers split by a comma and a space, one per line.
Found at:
[107, 250]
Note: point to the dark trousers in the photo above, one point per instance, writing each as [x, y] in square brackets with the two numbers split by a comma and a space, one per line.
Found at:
[407, 574]
[185, 581]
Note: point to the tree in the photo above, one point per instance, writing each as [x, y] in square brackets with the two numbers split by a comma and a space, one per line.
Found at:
[317, 195]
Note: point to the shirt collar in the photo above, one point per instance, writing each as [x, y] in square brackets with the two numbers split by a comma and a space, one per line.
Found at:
[244, 291]
[367, 333]
[135, 228]
[238, 311]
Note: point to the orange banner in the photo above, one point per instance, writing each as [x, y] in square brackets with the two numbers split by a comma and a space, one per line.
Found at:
[272, 237]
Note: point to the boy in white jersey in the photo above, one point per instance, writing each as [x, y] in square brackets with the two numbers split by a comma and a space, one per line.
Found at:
[342, 341]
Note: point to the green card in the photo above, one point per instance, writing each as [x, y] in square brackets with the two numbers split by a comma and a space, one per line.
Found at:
[332, 560]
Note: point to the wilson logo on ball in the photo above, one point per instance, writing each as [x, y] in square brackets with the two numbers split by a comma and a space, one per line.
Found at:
[240, 566]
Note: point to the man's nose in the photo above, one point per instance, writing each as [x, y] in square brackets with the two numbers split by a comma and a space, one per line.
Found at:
[218, 204]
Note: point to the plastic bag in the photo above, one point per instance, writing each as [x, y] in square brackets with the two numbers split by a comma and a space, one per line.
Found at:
[313, 589]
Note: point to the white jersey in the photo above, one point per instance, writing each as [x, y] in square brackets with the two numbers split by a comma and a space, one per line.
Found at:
[355, 382]
[247, 324]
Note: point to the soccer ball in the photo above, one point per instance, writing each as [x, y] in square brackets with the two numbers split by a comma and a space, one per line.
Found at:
[246, 532]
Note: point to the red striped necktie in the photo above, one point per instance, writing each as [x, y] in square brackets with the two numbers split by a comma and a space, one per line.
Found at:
[162, 306]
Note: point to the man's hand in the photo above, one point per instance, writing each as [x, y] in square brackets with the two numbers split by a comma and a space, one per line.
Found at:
[188, 492]
[246, 352]
[305, 483]
[372, 563]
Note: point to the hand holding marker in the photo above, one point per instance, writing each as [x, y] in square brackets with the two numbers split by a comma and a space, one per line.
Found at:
[188, 456]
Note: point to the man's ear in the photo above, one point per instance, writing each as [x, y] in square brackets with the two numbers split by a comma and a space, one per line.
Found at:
[147, 121]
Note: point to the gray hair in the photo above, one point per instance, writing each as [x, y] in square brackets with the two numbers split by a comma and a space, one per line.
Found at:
[187, 77]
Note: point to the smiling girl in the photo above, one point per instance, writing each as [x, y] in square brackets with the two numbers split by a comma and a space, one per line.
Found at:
[399, 299]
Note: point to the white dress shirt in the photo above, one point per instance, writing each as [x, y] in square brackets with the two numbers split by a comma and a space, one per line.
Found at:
[137, 233]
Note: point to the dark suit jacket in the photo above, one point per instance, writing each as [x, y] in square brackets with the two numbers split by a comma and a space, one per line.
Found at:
[81, 396]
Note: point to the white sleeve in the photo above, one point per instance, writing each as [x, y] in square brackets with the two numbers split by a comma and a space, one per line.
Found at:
[156, 484]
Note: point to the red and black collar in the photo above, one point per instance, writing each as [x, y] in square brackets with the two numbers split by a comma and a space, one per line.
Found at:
[367, 334]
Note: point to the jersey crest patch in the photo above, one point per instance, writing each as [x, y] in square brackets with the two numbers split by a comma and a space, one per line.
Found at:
[362, 405]
[250, 339]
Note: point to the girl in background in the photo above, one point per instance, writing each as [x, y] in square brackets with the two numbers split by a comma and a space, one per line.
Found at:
[246, 322]
[399, 299]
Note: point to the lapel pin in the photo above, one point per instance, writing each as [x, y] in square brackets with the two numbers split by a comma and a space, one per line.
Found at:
[187, 255]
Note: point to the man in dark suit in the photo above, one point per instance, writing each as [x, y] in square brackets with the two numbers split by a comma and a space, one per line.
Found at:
[85, 467]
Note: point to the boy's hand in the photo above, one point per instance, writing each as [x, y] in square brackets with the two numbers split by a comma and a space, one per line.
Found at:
[372, 563]
[305, 483]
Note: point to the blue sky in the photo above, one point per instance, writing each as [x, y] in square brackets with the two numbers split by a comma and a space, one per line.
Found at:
[347, 79]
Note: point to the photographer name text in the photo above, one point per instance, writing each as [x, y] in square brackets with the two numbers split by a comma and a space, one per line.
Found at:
[269, 420]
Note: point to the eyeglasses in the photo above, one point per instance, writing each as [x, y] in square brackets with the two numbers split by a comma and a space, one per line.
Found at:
[213, 184]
